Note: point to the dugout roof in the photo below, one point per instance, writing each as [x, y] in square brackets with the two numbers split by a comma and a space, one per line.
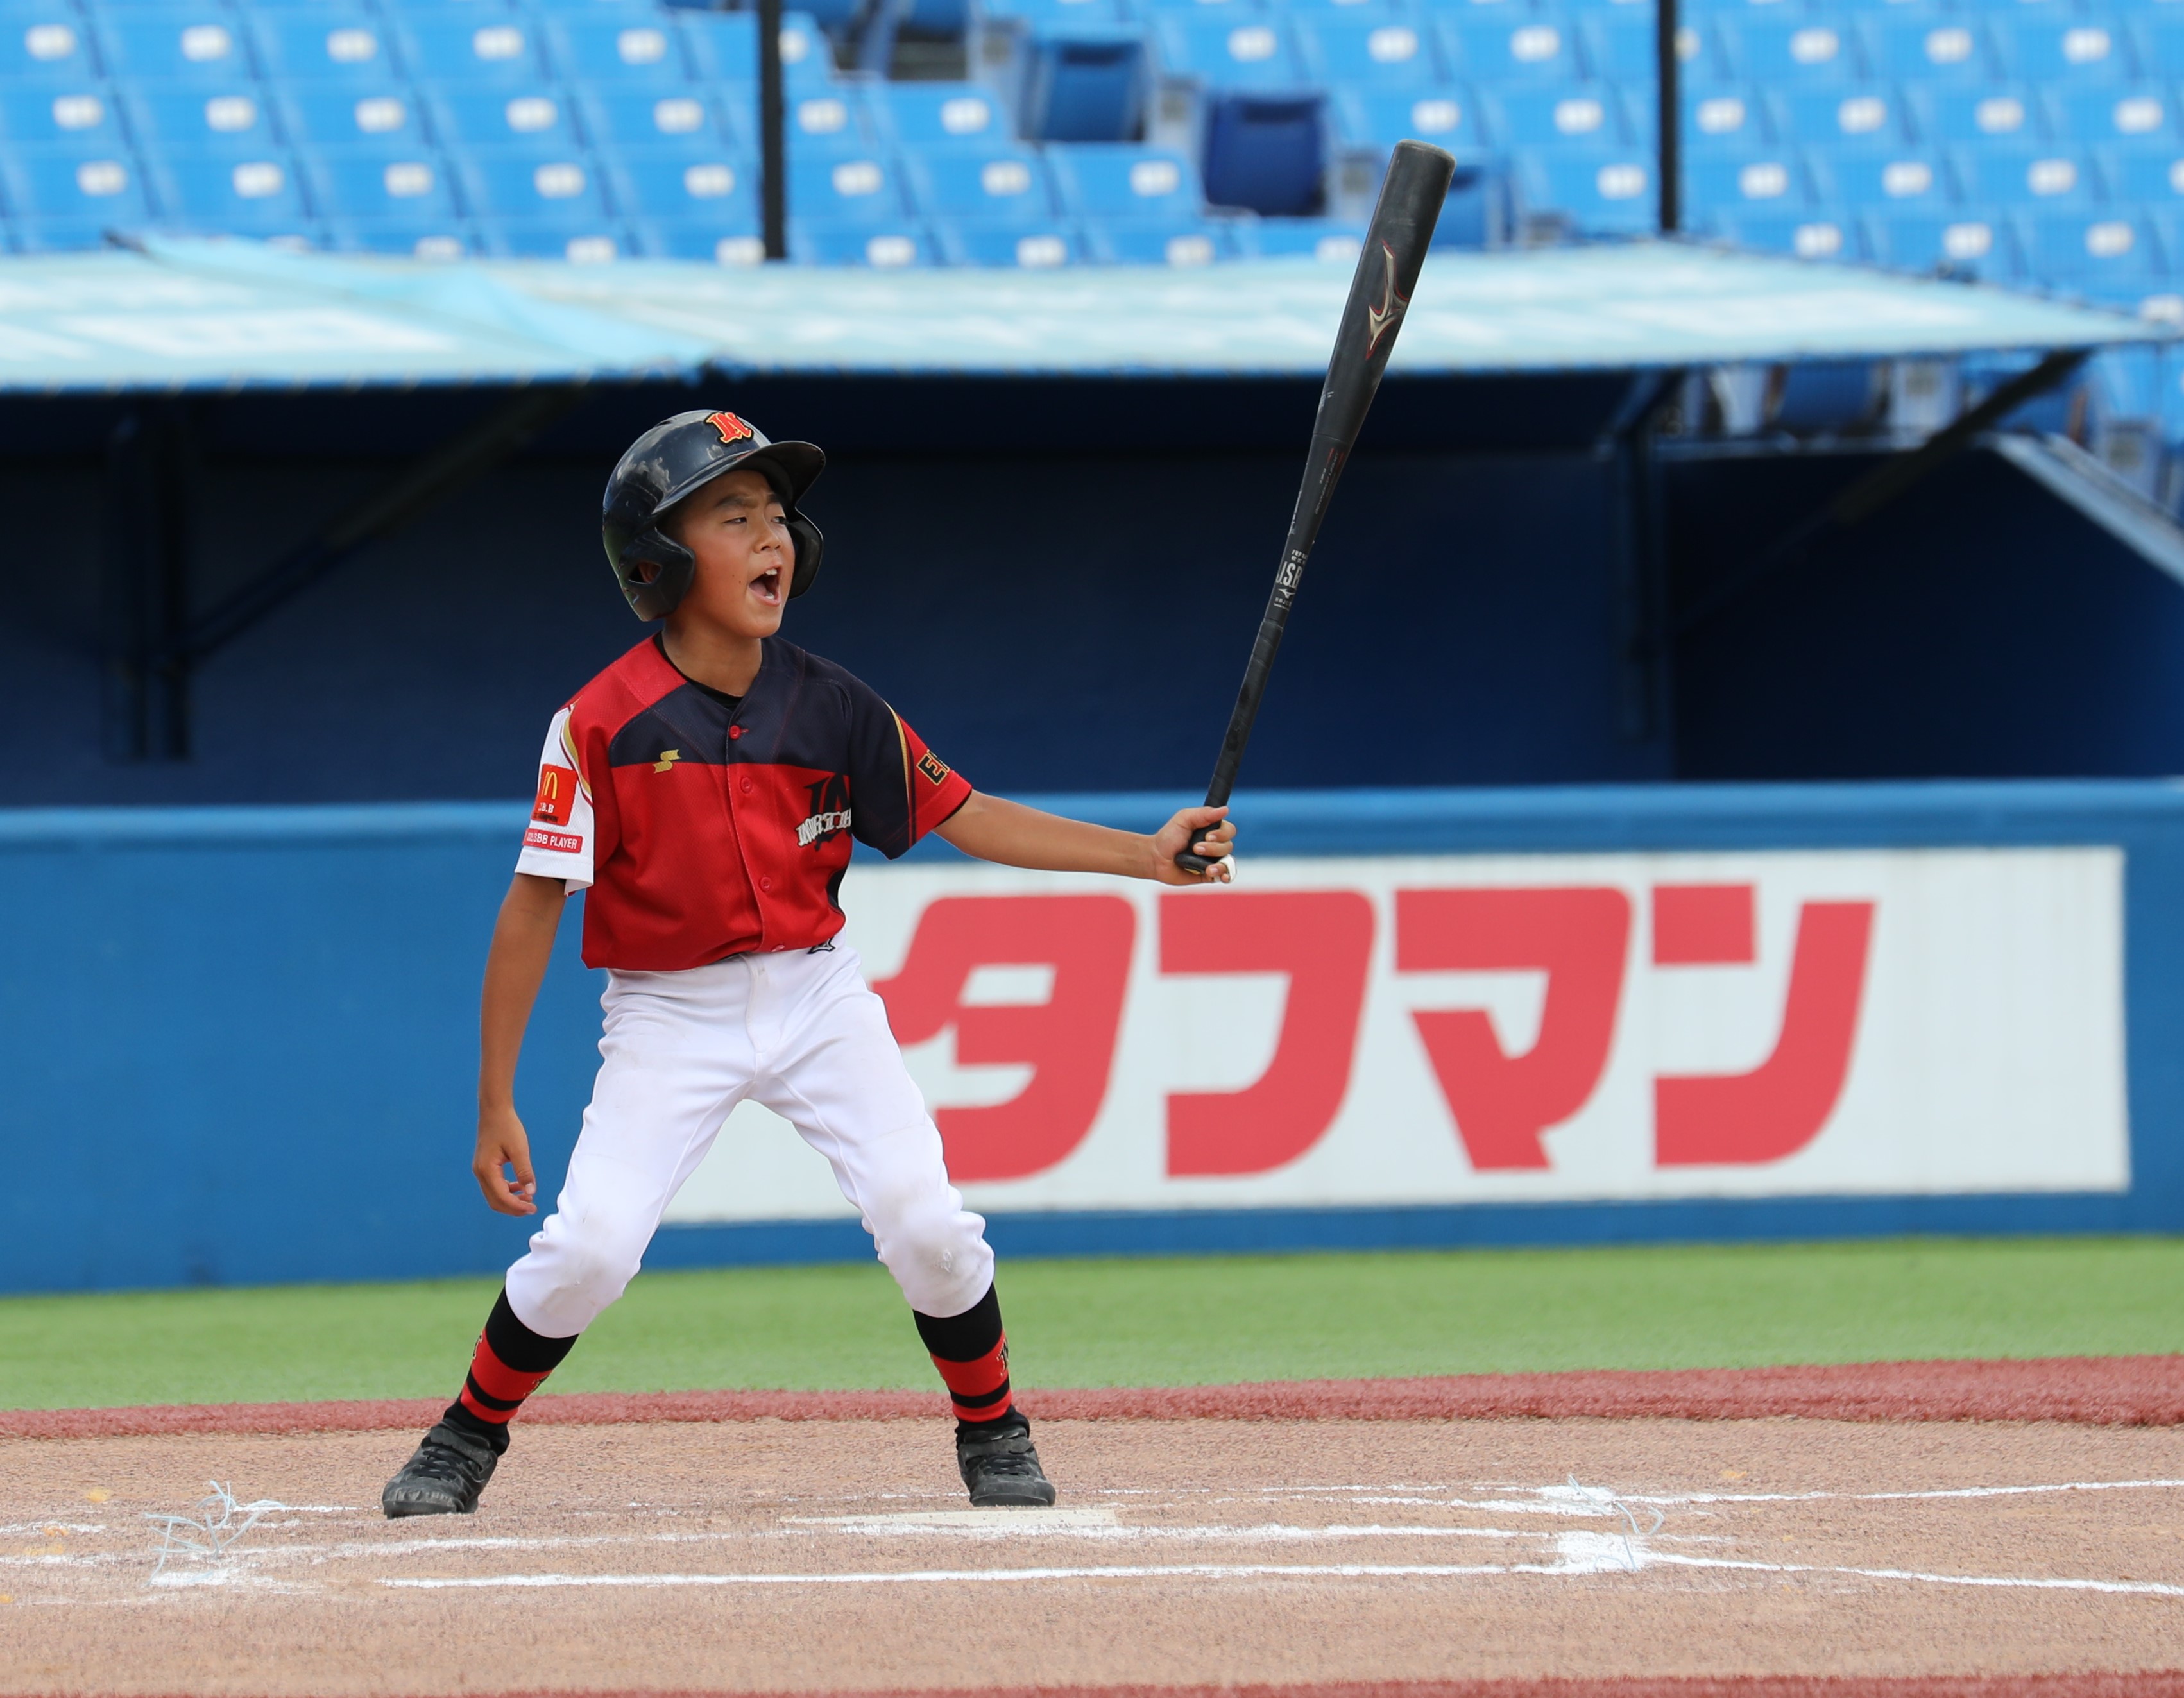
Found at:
[231, 314]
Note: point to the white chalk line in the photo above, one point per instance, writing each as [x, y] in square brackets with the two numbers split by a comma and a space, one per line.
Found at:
[1605, 1561]
[1560, 1500]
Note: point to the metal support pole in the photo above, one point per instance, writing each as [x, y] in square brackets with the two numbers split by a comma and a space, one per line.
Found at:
[1638, 560]
[1668, 77]
[773, 155]
[144, 586]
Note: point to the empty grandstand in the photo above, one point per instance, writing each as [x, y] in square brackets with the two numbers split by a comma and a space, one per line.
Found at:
[2033, 141]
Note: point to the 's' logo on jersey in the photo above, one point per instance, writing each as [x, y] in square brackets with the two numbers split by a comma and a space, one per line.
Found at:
[668, 757]
[731, 429]
[933, 766]
[830, 811]
[557, 795]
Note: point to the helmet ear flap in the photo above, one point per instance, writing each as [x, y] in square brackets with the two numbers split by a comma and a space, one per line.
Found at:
[809, 546]
[675, 568]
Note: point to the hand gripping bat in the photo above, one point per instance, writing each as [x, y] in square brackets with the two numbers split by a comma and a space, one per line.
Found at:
[1395, 242]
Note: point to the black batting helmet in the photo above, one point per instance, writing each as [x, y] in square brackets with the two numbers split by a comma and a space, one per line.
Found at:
[665, 464]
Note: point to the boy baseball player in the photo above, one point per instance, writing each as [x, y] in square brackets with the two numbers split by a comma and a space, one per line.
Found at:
[703, 790]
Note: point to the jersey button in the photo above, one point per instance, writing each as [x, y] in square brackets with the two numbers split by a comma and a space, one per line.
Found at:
[734, 732]
[765, 884]
[747, 787]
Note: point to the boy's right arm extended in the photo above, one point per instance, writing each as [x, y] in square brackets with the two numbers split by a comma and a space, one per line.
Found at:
[522, 945]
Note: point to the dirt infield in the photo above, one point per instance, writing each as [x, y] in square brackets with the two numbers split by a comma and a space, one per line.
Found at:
[1362, 1560]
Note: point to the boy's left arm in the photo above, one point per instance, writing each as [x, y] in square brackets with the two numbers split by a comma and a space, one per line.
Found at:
[994, 829]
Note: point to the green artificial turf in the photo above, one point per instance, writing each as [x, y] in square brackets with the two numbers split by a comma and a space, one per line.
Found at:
[1155, 1321]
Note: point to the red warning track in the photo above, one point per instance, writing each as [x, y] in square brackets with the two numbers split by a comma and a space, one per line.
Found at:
[2107, 1391]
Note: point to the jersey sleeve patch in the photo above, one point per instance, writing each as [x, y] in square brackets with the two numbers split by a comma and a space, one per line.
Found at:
[936, 770]
[558, 842]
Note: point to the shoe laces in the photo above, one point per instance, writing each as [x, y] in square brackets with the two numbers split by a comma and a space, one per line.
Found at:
[436, 1461]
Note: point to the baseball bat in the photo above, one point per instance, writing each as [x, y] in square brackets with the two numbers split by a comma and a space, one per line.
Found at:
[1395, 242]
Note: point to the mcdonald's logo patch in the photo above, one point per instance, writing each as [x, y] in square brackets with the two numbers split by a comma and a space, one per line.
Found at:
[933, 766]
[557, 795]
[731, 429]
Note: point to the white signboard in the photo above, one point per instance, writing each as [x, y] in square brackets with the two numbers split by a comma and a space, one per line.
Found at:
[1523, 1028]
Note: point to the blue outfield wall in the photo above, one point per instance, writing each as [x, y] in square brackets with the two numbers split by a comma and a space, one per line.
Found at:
[241, 1042]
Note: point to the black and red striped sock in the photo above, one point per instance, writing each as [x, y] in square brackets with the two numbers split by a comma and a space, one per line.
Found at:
[971, 1351]
[510, 1363]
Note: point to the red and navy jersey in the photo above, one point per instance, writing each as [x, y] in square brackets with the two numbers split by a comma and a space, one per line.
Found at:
[706, 826]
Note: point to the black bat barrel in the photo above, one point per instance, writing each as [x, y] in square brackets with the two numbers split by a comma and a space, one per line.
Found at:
[1395, 242]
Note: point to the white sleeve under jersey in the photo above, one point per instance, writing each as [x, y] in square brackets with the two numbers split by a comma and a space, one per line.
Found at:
[558, 842]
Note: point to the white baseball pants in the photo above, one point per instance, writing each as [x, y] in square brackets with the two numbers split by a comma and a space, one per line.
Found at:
[799, 1033]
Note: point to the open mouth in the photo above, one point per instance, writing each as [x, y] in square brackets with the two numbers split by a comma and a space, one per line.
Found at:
[766, 586]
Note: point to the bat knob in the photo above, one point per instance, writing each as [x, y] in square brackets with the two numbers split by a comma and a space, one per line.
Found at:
[1194, 863]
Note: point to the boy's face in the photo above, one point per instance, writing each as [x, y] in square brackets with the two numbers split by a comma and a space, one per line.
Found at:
[736, 527]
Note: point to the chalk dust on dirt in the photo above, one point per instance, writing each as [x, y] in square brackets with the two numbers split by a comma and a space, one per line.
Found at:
[770, 1555]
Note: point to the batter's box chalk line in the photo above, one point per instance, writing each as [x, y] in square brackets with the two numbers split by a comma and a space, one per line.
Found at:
[209, 1536]
[1632, 1540]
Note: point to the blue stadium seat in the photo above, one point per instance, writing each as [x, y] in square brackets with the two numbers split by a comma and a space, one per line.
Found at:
[1266, 152]
[2130, 113]
[1725, 119]
[623, 117]
[561, 188]
[1942, 116]
[1609, 193]
[2052, 51]
[538, 119]
[723, 48]
[1951, 49]
[1498, 50]
[497, 51]
[473, 10]
[1043, 16]
[53, 234]
[589, 8]
[1447, 117]
[2022, 176]
[2150, 174]
[982, 187]
[1043, 249]
[1805, 235]
[1369, 53]
[679, 188]
[1621, 45]
[235, 122]
[1583, 116]
[589, 241]
[388, 119]
[1903, 178]
[1969, 241]
[1160, 244]
[68, 187]
[1838, 118]
[259, 196]
[1308, 9]
[46, 44]
[202, 44]
[1787, 53]
[947, 115]
[835, 191]
[1311, 238]
[2159, 44]
[701, 239]
[448, 239]
[1253, 52]
[1126, 183]
[892, 245]
[641, 52]
[1772, 182]
[1085, 87]
[348, 47]
[1228, 11]
[379, 190]
[84, 116]
[830, 123]
[2107, 249]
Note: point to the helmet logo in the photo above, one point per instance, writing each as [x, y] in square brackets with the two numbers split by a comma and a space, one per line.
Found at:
[731, 429]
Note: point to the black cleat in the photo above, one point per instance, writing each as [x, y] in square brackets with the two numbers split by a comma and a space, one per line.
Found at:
[1001, 1468]
[444, 1478]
